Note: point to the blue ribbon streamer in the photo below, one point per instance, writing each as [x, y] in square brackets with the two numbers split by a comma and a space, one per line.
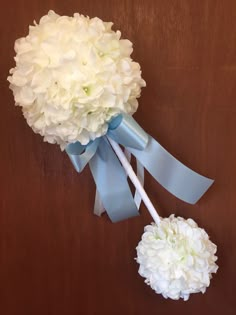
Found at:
[111, 179]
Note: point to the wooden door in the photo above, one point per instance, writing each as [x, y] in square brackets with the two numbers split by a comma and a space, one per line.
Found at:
[56, 257]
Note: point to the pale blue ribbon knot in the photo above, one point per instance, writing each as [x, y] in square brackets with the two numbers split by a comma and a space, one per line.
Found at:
[111, 179]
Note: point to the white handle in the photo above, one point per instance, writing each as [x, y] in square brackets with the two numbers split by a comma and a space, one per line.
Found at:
[129, 170]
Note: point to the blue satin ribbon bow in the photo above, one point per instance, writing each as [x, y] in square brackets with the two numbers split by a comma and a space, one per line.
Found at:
[111, 179]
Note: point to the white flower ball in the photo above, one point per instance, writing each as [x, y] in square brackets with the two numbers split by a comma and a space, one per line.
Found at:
[176, 258]
[72, 75]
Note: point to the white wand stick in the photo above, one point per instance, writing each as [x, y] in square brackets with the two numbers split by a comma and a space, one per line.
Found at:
[133, 177]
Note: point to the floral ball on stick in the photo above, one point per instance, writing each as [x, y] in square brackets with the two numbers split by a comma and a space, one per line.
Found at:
[175, 256]
[72, 76]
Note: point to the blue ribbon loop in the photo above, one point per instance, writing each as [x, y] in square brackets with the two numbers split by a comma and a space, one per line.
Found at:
[111, 179]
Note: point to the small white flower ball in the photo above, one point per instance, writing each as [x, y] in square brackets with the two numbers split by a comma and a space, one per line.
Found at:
[176, 258]
[72, 75]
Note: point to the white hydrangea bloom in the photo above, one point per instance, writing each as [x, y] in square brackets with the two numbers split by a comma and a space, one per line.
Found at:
[72, 75]
[176, 258]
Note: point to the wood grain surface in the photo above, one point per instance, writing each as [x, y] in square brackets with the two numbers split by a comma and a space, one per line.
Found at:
[56, 257]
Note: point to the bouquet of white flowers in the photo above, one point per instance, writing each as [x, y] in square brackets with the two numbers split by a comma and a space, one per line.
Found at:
[72, 75]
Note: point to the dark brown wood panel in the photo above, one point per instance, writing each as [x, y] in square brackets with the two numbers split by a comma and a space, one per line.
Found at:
[56, 257]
